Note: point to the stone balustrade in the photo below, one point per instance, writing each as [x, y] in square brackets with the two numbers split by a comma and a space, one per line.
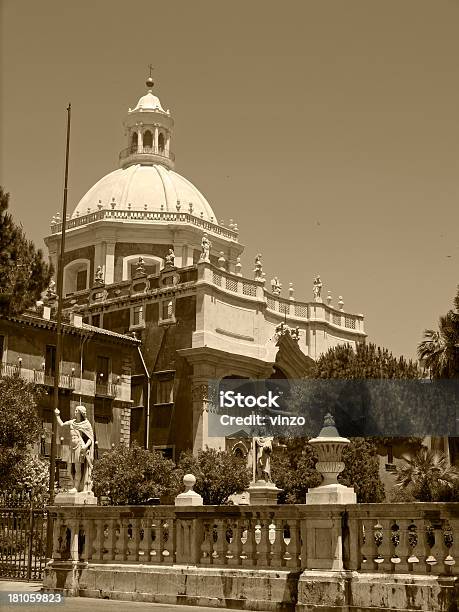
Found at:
[380, 538]
[159, 216]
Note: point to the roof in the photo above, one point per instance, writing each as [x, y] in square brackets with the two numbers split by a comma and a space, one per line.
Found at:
[67, 328]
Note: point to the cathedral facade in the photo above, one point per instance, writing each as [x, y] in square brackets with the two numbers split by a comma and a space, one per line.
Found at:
[145, 255]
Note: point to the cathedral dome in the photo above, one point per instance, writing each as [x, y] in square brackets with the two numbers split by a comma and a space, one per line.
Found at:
[146, 188]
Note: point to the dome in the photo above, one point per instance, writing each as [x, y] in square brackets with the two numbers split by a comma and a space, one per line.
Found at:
[148, 102]
[141, 187]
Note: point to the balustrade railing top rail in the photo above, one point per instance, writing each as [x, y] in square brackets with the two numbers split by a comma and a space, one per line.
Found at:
[161, 216]
[135, 150]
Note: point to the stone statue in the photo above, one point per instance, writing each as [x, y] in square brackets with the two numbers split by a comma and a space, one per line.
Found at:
[169, 260]
[205, 249]
[258, 270]
[51, 291]
[317, 289]
[263, 451]
[99, 276]
[276, 286]
[81, 449]
[140, 266]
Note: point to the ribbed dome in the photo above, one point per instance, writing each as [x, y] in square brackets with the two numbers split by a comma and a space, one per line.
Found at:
[141, 187]
[149, 102]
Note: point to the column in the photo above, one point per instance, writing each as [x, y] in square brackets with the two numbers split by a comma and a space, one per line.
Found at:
[155, 144]
[139, 140]
[110, 263]
[200, 401]
[168, 140]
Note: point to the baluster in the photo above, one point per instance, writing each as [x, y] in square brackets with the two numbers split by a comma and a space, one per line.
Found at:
[293, 546]
[206, 544]
[403, 549]
[278, 546]
[74, 531]
[264, 546]
[250, 545]
[221, 545]
[369, 549]
[454, 550]
[167, 541]
[122, 544]
[156, 540]
[57, 537]
[98, 540]
[145, 541]
[234, 550]
[439, 550]
[88, 542]
[420, 550]
[135, 542]
[385, 548]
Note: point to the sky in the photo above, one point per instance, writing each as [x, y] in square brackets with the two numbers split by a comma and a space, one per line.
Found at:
[327, 129]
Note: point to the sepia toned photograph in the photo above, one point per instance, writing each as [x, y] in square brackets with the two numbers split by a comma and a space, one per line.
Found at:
[229, 305]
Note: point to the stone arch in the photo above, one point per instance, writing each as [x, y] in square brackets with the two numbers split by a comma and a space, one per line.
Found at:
[161, 142]
[76, 276]
[152, 264]
[147, 139]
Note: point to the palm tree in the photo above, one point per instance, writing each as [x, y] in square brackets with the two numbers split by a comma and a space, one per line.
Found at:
[439, 349]
[427, 475]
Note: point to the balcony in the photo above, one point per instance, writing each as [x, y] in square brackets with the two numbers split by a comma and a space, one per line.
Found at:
[66, 381]
[9, 369]
[134, 154]
[107, 389]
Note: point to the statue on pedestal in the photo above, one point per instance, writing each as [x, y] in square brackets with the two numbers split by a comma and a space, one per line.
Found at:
[140, 270]
[81, 449]
[258, 270]
[169, 261]
[276, 286]
[317, 289]
[205, 249]
[263, 450]
[99, 276]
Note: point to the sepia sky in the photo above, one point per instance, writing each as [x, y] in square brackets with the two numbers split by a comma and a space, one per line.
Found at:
[327, 129]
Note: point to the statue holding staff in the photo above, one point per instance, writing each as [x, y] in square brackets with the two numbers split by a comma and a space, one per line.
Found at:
[81, 449]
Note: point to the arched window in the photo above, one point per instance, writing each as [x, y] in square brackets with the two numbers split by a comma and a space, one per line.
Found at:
[76, 276]
[161, 142]
[134, 140]
[147, 140]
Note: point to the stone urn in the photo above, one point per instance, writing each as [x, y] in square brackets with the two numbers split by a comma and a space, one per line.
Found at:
[329, 446]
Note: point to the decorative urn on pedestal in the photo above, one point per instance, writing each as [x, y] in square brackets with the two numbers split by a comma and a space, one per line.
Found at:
[329, 446]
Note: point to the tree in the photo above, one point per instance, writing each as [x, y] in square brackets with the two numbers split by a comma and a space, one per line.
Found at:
[23, 273]
[293, 470]
[427, 476]
[20, 425]
[440, 348]
[361, 471]
[219, 474]
[132, 475]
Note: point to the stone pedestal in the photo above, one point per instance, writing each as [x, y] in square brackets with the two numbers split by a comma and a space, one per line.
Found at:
[189, 497]
[76, 499]
[331, 494]
[263, 493]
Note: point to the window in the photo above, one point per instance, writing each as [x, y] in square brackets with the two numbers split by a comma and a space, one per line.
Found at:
[81, 280]
[103, 370]
[50, 360]
[167, 310]
[95, 320]
[161, 142]
[102, 423]
[137, 315]
[148, 140]
[165, 391]
[134, 140]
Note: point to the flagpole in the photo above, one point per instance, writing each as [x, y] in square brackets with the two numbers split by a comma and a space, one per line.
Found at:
[60, 278]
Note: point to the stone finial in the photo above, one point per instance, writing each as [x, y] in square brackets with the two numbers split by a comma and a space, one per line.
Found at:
[178, 206]
[329, 298]
[129, 206]
[235, 228]
[113, 203]
[99, 205]
[258, 270]
[291, 291]
[190, 207]
[222, 261]
[162, 207]
[202, 215]
[88, 210]
[238, 266]
[341, 303]
[276, 286]
[231, 224]
[77, 213]
[145, 206]
[317, 289]
[189, 497]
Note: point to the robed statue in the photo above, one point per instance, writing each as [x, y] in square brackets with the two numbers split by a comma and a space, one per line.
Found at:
[263, 451]
[81, 449]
